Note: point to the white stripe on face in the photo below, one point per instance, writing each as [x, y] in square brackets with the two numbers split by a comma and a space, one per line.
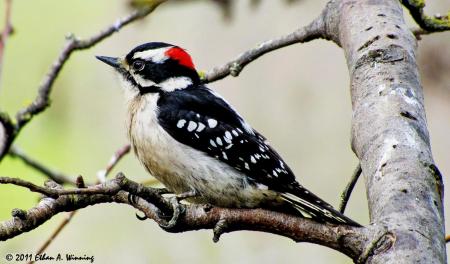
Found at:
[175, 83]
[155, 55]
[142, 81]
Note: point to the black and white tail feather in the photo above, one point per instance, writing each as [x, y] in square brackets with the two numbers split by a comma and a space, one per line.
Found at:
[311, 206]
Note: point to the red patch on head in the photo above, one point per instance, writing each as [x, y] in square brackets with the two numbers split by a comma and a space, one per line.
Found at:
[177, 53]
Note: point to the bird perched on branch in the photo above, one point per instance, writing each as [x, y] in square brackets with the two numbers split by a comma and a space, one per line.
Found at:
[198, 146]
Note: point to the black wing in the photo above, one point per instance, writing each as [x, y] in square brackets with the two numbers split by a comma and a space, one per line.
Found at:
[202, 120]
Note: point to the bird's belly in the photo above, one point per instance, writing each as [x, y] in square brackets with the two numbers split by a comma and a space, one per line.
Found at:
[181, 169]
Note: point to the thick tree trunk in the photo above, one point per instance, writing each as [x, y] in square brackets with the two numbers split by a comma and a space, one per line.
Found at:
[389, 132]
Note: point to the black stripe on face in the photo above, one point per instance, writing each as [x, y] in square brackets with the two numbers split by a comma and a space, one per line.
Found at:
[159, 72]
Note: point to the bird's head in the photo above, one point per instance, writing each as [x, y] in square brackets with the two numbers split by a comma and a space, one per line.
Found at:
[155, 67]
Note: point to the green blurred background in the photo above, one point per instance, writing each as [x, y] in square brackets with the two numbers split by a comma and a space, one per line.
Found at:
[298, 97]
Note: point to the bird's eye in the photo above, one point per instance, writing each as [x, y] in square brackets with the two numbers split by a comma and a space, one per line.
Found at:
[138, 65]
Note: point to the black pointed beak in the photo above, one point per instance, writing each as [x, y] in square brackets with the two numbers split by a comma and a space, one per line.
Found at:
[111, 61]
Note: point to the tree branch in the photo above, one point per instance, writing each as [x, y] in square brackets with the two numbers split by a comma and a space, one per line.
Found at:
[5, 34]
[58, 177]
[42, 100]
[310, 32]
[351, 241]
[345, 196]
[389, 130]
[118, 155]
[437, 23]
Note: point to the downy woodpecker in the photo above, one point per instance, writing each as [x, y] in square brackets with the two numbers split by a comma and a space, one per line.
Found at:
[192, 140]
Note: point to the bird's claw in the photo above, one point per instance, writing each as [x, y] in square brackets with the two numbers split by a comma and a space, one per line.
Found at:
[132, 199]
[178, 209]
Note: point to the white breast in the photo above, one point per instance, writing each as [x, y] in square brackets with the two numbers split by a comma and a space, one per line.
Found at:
[181, 168]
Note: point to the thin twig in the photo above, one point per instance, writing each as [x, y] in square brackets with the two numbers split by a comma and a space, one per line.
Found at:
[58, 177]
[54, 192]
[118, 155]
[42, 100]
[55, 233]
[345, 196]
[5, 34]
[102, 174]
[234, 67]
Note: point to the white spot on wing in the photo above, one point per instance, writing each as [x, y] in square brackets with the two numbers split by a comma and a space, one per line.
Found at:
[252, 159]
[219, 141]
[200, 127]
[224, 155]
[212, 143]
[247, 166]
[192, 125]
[227, 140]
[228, 135]
[212, 123]
[181, 123]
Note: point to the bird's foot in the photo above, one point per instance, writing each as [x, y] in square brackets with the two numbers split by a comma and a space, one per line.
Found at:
[177, 208]
[133, 200]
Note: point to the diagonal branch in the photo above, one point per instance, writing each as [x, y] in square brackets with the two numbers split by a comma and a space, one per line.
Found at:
[42, 100]
[428, 24]
[118, 155]
[310, 32]
[58, 177]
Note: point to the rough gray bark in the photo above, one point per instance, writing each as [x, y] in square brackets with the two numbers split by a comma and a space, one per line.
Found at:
[389, 132]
